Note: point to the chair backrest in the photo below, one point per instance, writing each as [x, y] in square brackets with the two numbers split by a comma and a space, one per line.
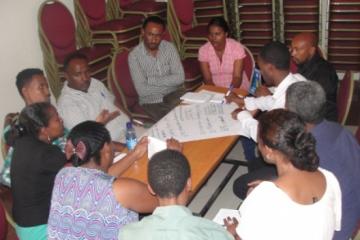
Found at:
[57, 27]
[184, 10]
[121, 81]
[249, 63]
[95, 11]
[3, 221]
[124, 3]
[357, 136]
[344, 97]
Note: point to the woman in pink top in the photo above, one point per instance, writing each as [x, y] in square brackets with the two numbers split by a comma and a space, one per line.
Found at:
[221, 59]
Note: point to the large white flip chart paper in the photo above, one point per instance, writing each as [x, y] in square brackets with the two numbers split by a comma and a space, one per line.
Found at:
[196, 122]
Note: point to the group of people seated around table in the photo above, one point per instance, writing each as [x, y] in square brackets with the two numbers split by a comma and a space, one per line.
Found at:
[304, 183]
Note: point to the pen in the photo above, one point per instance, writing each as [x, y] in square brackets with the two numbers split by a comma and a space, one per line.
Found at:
[228, 92]
[138, 122]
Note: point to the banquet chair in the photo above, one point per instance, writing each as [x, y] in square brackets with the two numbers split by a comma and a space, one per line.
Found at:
[94, 27]
[121, 85]
[249, 63]
[205, 10]
[120, 8]
[187, 35]
[3, 222]
[58, 39]
[344, 97]
[357, 136]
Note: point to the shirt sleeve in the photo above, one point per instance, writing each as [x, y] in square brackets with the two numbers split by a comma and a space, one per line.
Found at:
[238, 51]
[262, 103]
[53, 160]
[203, 55]
[177, 75]
[249, 125]
[257, 210]
[137, 75]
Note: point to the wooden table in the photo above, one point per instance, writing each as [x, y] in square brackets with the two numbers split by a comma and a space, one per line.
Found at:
[203, 155]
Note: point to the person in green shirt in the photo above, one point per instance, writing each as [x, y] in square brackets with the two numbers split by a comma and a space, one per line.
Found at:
[169, 179]
[33, 88]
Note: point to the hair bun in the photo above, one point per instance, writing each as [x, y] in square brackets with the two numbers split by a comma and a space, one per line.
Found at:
[305, 151]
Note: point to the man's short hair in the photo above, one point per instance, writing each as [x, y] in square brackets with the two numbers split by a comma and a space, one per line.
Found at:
[154, 19]
[308, 100]
[25, 76]
[277, 54]
[168, 172]
[72, 56]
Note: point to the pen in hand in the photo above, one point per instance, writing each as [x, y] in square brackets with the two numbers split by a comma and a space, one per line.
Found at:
[228, 92]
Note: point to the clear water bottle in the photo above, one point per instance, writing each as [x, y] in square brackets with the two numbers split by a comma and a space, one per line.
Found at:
[131, 139]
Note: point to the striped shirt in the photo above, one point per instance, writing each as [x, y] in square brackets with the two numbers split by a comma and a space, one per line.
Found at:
[155, 77]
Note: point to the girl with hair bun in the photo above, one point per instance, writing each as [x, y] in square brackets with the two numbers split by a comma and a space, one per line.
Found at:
[34, 165]
[304, 202]
[87, 201]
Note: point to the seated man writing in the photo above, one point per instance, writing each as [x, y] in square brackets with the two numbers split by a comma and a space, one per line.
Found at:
[274, 64]
[156, 70]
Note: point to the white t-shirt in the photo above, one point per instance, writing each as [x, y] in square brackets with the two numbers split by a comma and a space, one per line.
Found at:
[75, 106]
[269, 213]
[277, 100]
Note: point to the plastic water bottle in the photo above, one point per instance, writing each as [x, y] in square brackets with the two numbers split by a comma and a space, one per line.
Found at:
[131, 139]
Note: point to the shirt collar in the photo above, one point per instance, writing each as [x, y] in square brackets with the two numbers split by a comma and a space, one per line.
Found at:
[68, 89]
[172, 210]
[310, 63]
[146, 52]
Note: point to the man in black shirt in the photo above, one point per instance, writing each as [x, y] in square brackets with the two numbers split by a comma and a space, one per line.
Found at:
[305, 53]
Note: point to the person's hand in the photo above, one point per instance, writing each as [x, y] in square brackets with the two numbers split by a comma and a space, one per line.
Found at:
[262, 91]
[235, 113]
[252, 185]
[231, 224]
[141, 147]
[232, 97]
[174, 144]
[105, 116]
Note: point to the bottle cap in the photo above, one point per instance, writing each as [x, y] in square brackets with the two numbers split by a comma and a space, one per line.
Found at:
[128, 125]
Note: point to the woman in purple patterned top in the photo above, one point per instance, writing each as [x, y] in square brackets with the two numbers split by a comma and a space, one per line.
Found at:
[88, 203]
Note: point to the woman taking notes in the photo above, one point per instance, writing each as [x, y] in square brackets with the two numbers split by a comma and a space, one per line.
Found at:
[221, 59]
[304, 202]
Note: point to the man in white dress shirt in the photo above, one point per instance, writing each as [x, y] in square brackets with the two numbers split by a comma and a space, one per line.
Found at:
[274, 64]
[84, 98]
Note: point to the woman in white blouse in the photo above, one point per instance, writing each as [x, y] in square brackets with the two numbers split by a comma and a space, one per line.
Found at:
[304, 202]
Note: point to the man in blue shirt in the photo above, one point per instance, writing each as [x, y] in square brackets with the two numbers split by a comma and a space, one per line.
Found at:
[337, 148]
[169, 179]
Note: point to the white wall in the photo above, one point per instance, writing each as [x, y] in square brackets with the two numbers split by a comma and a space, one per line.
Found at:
[19, 48]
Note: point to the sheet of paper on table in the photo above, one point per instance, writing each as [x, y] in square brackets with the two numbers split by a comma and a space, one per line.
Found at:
[155, 145]
[224, 213]
[197, 122]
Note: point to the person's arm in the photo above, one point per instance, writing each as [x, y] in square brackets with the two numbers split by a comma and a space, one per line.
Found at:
[119, 167]
[205, 71]
[134, 195]
[237, 73]
[262, 103]
[249, 125]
